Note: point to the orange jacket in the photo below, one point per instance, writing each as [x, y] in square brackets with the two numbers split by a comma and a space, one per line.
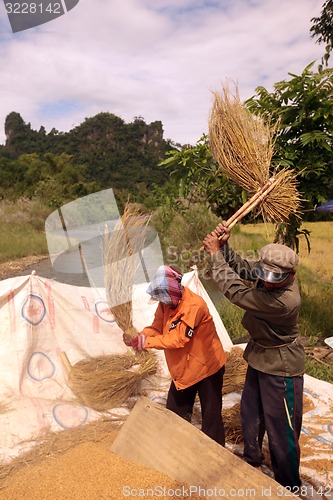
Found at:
[193, 350]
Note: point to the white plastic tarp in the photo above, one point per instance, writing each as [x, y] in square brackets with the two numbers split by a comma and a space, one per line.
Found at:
[40, 319]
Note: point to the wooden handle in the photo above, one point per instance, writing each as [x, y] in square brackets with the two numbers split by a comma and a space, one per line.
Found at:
[254, 201]
[66, 362]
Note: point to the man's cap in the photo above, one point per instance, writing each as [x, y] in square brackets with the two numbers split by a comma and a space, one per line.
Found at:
[276, 262]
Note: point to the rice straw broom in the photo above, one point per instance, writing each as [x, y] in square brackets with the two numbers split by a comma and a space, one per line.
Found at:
[121, 252]
[106, 382]
[243, 146]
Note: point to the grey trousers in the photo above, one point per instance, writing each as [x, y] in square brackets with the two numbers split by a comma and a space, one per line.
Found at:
[273, 404]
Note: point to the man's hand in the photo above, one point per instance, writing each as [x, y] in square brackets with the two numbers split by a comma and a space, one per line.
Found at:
[211, 243]
[222, 232]
[216, 239]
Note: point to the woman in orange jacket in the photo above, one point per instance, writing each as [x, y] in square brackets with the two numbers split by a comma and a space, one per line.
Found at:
[185, 330]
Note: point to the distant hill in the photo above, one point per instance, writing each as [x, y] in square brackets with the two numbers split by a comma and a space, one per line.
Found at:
[104, 151]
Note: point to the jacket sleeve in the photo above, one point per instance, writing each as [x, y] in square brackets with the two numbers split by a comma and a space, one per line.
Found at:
[156, 328]
[248, 298]
[242, 267]
[176, 337]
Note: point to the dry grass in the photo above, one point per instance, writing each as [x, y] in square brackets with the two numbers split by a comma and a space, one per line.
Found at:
[318, 261]
[4, 407]
[321, 240]
[106, 382]
[243, 145]
[232, 424]
[121, 249]
[235, 371]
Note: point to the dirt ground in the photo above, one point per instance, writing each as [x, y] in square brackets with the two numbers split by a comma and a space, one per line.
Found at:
[43, 267]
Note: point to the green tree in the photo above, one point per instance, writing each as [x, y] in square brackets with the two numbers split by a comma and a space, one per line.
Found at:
[303, 105]
[322, 29]
[201, 180]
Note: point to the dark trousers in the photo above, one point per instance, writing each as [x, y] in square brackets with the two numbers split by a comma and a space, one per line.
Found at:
[209, 391]
[273, 404]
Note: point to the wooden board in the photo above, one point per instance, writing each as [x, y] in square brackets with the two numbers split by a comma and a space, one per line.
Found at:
[162, 441]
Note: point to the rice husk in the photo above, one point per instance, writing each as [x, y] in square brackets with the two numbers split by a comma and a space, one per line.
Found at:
[4, 407]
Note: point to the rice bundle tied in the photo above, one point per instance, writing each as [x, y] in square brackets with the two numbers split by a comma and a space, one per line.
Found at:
[106, 382]
[243, 146]
[122, 249]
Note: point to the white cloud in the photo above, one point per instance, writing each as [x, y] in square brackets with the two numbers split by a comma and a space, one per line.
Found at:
[158, 60]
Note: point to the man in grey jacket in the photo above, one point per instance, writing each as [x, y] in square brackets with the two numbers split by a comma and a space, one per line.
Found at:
[272, 398]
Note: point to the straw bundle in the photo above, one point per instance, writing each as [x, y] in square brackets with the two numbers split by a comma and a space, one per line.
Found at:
[235, 371]
[121, 252]
[232, 424]
[106, 382]
[243, 146]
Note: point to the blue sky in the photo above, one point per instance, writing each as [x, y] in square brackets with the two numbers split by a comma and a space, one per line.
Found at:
[159, 59]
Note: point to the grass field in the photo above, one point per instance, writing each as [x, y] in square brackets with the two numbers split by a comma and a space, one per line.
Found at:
[22, 229]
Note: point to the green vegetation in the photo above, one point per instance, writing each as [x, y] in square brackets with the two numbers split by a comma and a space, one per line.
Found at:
[103, 152]
[22, 229]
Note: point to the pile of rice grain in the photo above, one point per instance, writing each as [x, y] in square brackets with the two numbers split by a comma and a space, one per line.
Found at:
[87, 471]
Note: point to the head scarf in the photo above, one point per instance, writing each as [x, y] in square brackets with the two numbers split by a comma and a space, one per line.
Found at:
[166, 286]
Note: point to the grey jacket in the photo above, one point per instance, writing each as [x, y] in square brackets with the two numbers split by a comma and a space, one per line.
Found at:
[271, 316]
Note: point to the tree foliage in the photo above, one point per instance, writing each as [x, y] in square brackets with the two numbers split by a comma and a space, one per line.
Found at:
[303, 105]
[322, 29]
[200, 179]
